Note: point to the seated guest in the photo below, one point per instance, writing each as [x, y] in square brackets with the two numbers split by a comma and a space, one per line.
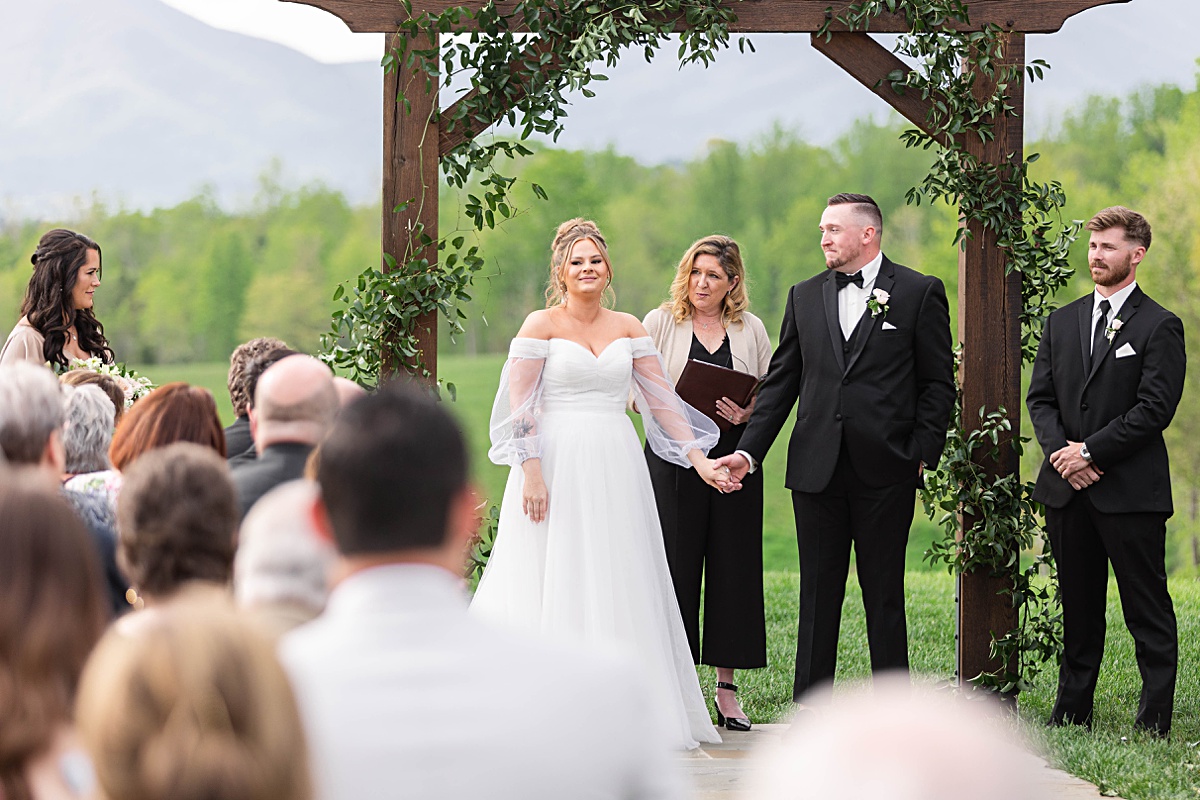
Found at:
[86, 438]
[176, 412]
[177, 521]
[294, 404]
[399, 687]
[282, 565]
[31, 435]
[107, 384]
[52, 611]
[254, 370]
[237, 434]
[193, 704]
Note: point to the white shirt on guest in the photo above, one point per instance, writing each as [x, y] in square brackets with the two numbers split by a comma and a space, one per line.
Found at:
[403, 694]
[852, 300]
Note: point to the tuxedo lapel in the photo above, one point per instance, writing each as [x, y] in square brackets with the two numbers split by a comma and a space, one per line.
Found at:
[829, 295]
[886, 280]
[1128, 309]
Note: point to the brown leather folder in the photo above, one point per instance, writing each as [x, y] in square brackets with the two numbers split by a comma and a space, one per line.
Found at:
[702, 384]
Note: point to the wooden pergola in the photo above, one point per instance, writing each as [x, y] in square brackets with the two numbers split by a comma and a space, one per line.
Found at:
[989, 299]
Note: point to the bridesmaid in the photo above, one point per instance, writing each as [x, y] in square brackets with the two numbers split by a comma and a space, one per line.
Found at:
[57, 323]
[704, 530]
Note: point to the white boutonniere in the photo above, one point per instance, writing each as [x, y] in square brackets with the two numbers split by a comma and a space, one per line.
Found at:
[878, 302]
[1111, 331]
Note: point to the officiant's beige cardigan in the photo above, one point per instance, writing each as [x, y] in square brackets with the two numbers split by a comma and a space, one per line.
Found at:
[748, 342]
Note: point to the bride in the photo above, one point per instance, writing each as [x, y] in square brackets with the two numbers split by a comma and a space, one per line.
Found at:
[578, 551]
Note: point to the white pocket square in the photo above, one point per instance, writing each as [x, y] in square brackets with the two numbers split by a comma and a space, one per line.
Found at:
[887, 326]
[1124, 350]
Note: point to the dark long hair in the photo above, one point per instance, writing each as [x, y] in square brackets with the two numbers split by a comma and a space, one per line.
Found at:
[48, 303]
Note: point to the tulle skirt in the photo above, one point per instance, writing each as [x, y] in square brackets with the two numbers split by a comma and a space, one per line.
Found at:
[595, 570]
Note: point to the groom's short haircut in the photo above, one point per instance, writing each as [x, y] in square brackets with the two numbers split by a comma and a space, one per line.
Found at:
[1136, 228]
[389, 471]
[865, 208]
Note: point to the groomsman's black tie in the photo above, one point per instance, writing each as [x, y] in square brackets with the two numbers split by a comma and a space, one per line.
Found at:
[844, 280]
[1101, 326]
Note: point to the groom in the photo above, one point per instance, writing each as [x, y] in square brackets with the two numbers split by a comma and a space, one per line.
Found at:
[865, 348]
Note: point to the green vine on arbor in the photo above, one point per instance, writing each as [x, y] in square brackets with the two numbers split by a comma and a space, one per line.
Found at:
[522, 62]
[1027, 220]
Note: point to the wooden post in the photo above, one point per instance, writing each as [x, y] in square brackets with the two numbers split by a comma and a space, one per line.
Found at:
[989, 328]
[410, 183]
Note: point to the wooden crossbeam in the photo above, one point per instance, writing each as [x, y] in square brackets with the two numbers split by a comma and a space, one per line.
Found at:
[753, 16]
[869, 63]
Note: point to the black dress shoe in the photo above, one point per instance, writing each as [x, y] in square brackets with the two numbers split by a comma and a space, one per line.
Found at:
[729, 723]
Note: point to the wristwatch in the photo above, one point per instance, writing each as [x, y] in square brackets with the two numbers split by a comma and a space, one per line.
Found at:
[1084, 453]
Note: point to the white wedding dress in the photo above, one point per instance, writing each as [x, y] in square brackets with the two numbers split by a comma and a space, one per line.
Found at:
[595, 569]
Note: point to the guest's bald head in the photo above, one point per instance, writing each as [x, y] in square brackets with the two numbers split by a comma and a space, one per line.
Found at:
[348, 391]
[295, 401]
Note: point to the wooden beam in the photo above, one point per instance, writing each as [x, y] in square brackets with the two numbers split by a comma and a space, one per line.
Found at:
[753, 16]
[410, 182]
[464, 129]
[989, 328]
[869, 63]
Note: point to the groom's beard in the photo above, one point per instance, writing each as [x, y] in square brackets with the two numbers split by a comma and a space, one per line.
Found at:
[1111, 275]
[841, 259]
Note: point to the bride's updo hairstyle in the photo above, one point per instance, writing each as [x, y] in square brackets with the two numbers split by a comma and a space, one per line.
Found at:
[48, 303]
[565, 238]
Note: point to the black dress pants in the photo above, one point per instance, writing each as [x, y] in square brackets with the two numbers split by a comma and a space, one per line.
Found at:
[716, 539]
[1084, 541]
[876, 521]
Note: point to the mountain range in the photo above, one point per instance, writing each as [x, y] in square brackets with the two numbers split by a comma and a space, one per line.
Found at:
[141, 105]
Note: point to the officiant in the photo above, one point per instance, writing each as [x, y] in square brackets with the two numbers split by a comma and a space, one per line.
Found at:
[710, 535]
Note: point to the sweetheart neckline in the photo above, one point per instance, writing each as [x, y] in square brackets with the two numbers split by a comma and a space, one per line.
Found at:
[587, 349]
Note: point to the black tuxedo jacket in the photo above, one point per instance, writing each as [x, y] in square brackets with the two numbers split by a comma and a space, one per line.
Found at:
[1119, 407]
[888, 392]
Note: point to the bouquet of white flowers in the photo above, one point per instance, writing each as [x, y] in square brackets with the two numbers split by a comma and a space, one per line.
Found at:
[135, 386]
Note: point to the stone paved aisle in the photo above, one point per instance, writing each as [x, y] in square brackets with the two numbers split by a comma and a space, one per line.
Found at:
[720, 771]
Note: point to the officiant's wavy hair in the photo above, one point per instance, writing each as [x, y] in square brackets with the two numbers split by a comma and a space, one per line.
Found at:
[729, 256]
[48, 303]
[566, 237]
[390, 469]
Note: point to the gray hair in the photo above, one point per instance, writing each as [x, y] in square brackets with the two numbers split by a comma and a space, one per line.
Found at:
[89, 428]
[281, 558]
[31, 409]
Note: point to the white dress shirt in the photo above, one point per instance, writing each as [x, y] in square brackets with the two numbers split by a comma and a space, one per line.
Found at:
[852, 300]
[1115, 301]
[403, 694]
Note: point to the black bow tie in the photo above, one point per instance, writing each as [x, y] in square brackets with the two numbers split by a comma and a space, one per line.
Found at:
[844, 280]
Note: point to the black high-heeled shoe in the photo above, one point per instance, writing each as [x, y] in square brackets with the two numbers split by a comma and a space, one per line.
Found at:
[729, 723]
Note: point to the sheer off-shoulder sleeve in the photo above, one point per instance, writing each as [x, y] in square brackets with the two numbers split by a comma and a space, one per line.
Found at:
[673, 428]
[516, 414]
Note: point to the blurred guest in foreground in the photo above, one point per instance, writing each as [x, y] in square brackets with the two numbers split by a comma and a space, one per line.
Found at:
[107, 384]
[899, 743]
[294, 404]
[489, 711]
[31, 435]
[193, 704]
[282, 565]
[176, 412]
[177, 519]
[57, 323]
[237, 434]
[52, 611]
[87, 436]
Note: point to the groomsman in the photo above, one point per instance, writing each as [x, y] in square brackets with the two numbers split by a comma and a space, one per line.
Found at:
[1108, 376]
[865, 351]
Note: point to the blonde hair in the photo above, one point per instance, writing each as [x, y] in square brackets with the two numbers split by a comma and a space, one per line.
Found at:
[729, 256]
[566, 237]
[191, 703]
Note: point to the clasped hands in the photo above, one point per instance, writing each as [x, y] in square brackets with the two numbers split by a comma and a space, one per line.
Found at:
[1070, 464]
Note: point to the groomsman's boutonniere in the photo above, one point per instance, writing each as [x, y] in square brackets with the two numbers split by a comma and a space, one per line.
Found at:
[1111, 331]
[878, 302]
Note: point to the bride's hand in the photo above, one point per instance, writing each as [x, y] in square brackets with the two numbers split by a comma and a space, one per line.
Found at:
[715, 476]
[535, 499]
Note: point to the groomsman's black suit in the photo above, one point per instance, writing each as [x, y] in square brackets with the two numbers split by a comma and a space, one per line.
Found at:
[1117, 403]
[871, 410]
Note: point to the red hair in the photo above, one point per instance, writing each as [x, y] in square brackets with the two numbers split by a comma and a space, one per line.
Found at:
[176, 412]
